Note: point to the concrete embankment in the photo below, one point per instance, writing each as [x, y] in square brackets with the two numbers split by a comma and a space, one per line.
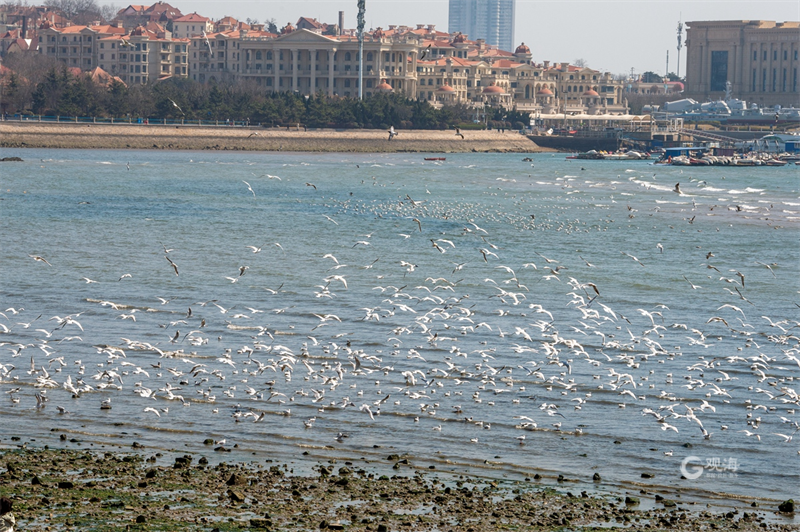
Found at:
[102, 136]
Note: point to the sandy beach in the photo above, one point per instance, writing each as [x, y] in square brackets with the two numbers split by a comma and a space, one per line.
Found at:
[81, 136]
[141, 490]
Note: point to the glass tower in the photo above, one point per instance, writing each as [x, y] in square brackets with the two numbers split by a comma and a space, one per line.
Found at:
[491, 20]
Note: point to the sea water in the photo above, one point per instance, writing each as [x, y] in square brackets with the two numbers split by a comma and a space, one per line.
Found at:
[434, 310]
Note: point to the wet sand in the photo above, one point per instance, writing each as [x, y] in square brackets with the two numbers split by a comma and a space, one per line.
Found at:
[141, 490]
[93, 136]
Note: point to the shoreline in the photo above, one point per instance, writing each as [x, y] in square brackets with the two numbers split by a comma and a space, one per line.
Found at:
[146, 489]
[170, 137]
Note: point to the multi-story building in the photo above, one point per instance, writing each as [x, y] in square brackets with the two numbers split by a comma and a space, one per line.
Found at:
[188, 26]
[422, 63]
[75, 46]
[161, 13]
[307, 62]
[759, 58]
[490, 20]
[143, 56]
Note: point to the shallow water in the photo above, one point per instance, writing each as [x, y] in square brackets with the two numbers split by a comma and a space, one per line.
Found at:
[481, 326]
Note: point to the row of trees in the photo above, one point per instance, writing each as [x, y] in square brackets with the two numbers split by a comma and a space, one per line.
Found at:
[54, 90]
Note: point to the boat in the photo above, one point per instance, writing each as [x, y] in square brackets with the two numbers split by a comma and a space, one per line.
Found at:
[435, 158]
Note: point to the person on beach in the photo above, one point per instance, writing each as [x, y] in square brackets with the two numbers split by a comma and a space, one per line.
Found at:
[7, 520]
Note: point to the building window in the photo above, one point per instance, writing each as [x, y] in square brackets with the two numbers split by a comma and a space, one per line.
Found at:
[347, 56]
[775, 55]
[719, 70]
[755, 75]
[774, 79]
[369, 56]
[764, 80]
[755, 55]
[765, 55]
[783, 87]
[785, 55]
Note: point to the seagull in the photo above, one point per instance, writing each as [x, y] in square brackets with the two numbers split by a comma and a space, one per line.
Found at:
[175, 105]
[631, 256]
[174, 266]
[153, 410]
[694, 286]
[249, 188]
[312, 185]
[39, 259]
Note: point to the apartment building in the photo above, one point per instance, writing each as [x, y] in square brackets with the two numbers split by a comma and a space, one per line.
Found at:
[75, 46]
[420, 62]
[143, 56]
[188, 26]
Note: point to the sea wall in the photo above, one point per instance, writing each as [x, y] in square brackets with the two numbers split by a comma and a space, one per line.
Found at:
[93, 136]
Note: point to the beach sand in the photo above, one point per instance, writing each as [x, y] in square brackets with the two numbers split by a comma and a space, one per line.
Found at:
[94, 136]
[141, 490]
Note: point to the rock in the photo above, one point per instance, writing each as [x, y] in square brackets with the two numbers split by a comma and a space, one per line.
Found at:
[669, 503]
[141, 519]
[323, 525]
[65, 485]
[596, 477]
[335, 526]
[383, 528]
[260, 523]
[236, 480]
[236, 496]
[11, 160]
[647, 475]
[151, 473]
[36, 482]
[787, 506]
[631, 500]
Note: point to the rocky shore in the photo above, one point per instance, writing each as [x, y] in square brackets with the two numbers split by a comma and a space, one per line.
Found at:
[94, 136]
[96, 490]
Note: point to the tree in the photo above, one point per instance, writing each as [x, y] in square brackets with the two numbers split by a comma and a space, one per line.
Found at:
[271, 25]
[80, 12]
[672, 76]
[581, 63]
[108, 12]
[651, 77]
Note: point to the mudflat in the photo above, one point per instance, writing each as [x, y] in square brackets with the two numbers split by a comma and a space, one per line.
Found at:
[140, 490]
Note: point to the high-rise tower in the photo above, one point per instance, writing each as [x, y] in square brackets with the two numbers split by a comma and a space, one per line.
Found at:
[491, 20]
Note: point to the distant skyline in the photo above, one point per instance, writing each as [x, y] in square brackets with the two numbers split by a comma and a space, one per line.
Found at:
[612, 36]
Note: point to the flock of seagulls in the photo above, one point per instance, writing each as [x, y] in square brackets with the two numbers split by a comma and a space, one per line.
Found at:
[430, 322]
